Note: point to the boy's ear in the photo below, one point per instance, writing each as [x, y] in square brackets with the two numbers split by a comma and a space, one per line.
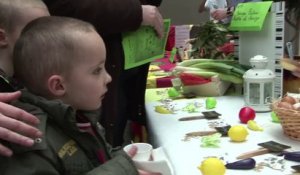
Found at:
[56, 85]
[3, 38]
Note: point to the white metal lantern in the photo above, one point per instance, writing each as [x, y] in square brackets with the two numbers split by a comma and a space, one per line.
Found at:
[259, 84]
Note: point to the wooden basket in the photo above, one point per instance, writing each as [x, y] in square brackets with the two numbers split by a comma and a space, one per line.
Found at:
[289, 119]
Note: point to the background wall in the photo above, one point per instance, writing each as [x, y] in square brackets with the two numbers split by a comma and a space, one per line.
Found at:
[186, 12]
[183, 11]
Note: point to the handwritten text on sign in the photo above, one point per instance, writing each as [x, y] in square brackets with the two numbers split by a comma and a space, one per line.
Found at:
[250, 16]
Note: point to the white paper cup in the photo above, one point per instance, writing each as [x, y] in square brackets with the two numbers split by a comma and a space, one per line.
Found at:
[144, 151]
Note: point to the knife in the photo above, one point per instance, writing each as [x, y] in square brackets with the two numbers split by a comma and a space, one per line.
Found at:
[206, 115]
[191, 118]
[221, 129]
[200, 133]
[267, 147]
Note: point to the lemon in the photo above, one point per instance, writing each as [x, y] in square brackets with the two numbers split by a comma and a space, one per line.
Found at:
[162, 110]
[251, 124]
[212, 166]
[238, 133]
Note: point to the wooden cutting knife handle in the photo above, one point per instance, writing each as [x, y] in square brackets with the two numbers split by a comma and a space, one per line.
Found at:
[200, 133]
[253, 153]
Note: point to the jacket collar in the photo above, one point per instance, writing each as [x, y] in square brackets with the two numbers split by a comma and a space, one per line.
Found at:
[63, 114]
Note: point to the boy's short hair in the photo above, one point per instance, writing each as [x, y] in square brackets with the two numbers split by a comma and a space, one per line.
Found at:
[47, 46]
[11, 12]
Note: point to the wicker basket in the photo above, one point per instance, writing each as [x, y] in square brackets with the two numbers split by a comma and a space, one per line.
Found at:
[289, 119]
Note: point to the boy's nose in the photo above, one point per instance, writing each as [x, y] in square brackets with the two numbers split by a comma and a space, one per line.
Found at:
[108, 79]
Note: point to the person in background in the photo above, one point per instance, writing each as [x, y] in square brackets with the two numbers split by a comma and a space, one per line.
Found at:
[292, 17]
[14, 15]
[125, 98]
[134, 88]
[64, 88]
[223, 13]
[292, 14]
[201, 7]
[297, 71]
[211, 6]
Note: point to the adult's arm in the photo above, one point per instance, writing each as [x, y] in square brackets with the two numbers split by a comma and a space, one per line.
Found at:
[201, 7]
[152, 2]
[16, 125]
[33, 163]
[108, 16]
[152, 17]
[222, 13]
[297, 73]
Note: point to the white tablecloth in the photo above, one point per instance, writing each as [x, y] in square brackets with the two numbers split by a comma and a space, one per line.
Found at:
[165, 130]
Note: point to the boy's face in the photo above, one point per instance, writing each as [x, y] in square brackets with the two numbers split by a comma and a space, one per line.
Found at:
[87, 83]
[27, 15]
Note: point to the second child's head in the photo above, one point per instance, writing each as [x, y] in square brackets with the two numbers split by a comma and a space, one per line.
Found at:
[14, 15]
[62, 58]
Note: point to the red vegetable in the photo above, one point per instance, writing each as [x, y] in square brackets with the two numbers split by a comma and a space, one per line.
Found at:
[191, 79]
[246, 114]
[245, 164]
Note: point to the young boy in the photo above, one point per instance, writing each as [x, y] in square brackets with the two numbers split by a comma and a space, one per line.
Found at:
[61, 63]
[14, 15]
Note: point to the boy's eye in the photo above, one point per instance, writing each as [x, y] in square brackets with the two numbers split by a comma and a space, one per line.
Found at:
[97, 71]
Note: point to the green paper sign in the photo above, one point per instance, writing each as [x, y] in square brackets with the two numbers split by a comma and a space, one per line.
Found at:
[250, 16]
[143, 45]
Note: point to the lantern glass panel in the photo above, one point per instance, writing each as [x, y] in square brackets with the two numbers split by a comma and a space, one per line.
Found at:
[254, 93]
[268, 89]
[245, 89]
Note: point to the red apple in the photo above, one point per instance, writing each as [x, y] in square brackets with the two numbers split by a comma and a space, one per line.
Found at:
[246, 114]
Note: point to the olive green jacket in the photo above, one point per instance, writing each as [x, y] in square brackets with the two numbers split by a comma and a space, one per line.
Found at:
[63, 149]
